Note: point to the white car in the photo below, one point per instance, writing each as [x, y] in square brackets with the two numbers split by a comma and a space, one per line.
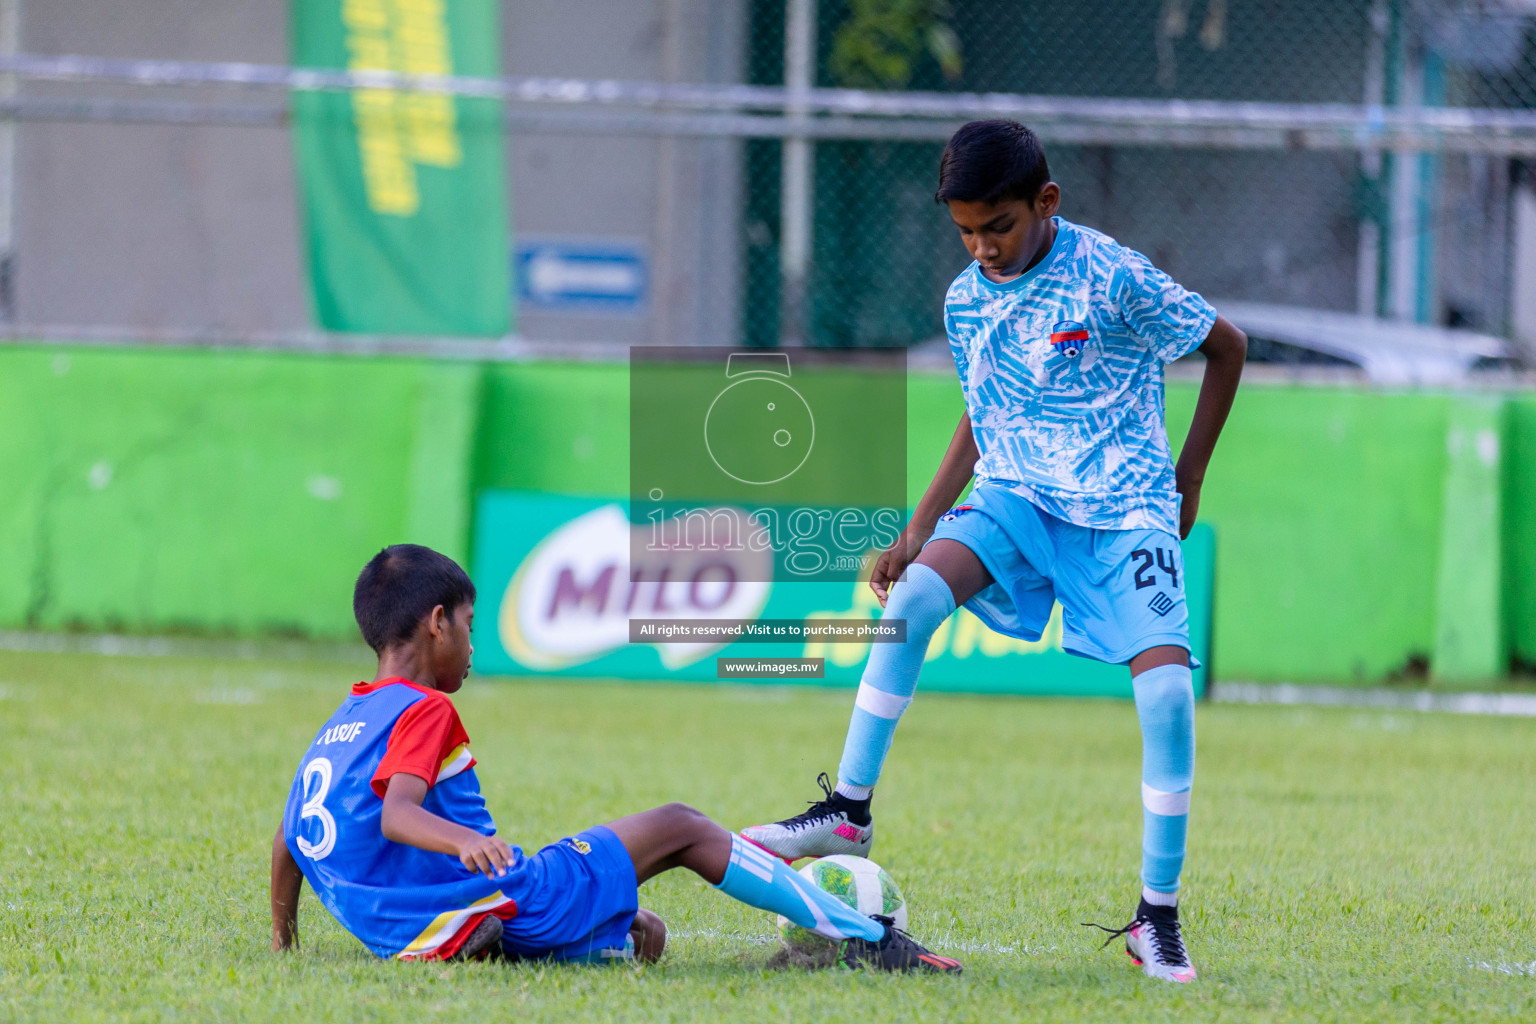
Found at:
[1385, 351]
[1294, 341]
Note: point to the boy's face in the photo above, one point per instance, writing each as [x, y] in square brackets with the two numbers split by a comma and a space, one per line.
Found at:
[452, 652]
[1007, 236]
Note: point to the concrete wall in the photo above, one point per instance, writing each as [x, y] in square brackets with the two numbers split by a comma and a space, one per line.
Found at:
[196, 228]
[678, 199]
[157, 227]
[1523, 274]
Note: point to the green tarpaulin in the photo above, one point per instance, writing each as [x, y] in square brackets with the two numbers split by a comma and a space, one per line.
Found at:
[403, 191]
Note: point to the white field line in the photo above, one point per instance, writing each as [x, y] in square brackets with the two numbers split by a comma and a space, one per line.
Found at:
[947, 944]
[1514, 968]
[1511, 704]
[729, 934]
[943, 944]
[183, 647]
[1506, 704]
[234, 696]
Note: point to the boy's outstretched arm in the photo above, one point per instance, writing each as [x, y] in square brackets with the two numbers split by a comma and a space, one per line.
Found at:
[1225, 349]
[954, 473]
[406, 821]
[287, 880]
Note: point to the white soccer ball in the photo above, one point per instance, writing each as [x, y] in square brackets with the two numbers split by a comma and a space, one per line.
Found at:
[858, 882]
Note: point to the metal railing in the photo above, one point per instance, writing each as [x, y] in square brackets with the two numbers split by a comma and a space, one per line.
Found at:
[1373, 155]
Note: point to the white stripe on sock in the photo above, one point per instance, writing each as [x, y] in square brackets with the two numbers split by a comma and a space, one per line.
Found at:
[750, 859]
[1159, 899]
[756, 856]
[879, 703]
[1169, 805]
[853, 792]
[823, 925]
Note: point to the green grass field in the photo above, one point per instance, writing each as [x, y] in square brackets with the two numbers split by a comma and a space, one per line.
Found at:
[1344, 865]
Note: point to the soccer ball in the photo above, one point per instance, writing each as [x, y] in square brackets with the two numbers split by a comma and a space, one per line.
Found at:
[858, 882]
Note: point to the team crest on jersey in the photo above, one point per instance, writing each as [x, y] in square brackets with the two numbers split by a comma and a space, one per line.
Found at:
[1068, 338]
[954, 513]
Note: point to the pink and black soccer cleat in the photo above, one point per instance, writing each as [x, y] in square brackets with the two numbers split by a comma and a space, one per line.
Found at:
[821, 830]
[895, 951]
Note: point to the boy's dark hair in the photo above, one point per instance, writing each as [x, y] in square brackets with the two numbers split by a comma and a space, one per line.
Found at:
[990, 161]
[400, 586]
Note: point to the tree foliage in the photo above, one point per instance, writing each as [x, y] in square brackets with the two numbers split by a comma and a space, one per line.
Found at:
[881, 43]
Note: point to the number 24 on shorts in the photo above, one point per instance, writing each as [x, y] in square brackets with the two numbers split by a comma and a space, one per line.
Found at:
[1145, 575]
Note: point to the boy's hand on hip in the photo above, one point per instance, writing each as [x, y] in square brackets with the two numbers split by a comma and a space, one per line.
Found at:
[1189, 507]
[487, 855]
[894, 560]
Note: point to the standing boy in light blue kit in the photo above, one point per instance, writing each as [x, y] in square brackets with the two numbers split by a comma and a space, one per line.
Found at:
[1059, 335]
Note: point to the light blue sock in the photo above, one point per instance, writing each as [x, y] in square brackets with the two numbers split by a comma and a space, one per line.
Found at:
[1165, 703]
[890, 677]
[759, 879]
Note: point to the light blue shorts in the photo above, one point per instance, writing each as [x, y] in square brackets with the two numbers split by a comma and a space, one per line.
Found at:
[1121, 591]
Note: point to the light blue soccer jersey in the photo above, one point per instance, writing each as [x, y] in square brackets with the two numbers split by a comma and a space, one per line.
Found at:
[1062, 370]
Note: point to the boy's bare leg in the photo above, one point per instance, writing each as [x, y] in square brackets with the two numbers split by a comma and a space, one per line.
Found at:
[650, 934]
[677, 836]
[658, 840]
[674, 836]
[959, 567]
[1157, 657]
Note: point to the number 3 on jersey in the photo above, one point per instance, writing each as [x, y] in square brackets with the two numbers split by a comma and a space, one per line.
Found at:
[314, 807]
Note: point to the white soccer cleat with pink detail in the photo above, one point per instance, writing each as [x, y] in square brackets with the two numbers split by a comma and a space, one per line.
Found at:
[821, 830]
[1154, 941]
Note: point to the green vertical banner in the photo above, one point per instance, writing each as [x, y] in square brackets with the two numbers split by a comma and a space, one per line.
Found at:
[404, 191]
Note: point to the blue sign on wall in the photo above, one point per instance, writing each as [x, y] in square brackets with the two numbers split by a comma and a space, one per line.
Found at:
[581, 275]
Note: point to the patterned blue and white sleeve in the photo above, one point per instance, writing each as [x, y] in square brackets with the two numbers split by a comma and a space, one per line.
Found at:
[957, 349]
[1171, 319]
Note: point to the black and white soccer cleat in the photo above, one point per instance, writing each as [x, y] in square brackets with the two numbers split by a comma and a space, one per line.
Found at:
[1154, 941]
[895, 951]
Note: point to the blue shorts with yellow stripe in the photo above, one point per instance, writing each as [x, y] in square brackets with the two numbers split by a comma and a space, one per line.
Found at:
[580, 904]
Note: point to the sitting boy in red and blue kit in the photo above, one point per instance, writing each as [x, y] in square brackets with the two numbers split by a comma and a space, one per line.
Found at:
[386, 821]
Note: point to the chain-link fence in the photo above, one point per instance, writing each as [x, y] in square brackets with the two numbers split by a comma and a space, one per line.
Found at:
[773, 170]
[1420, 236]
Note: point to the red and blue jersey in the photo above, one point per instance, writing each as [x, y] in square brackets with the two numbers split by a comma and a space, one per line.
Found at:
[400, 901]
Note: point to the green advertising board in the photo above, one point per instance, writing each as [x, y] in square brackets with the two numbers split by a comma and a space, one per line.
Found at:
[403, 190]
[555, 598]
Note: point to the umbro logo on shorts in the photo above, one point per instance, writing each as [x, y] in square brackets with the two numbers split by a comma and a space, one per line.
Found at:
[1161, 604]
